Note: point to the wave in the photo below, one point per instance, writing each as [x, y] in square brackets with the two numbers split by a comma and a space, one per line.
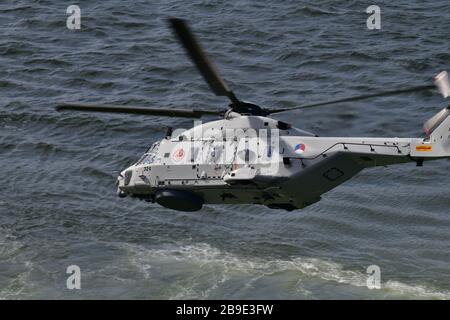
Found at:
[18, 284]
[199, 271]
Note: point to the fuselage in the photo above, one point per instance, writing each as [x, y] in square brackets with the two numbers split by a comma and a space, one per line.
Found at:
[257, 160]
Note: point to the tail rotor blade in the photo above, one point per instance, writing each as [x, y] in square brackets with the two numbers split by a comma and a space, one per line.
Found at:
[443, 84]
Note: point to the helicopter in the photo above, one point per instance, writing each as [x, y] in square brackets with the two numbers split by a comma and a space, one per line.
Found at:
[248, 157]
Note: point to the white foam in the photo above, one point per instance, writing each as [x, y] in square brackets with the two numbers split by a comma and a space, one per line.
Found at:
[204, 270]
[20, 284]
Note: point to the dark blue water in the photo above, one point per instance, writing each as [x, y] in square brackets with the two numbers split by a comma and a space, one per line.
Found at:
[57, 202]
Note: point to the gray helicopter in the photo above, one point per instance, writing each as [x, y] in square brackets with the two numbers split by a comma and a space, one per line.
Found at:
[247, 157]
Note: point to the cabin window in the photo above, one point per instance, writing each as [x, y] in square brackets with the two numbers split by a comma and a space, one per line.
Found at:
[150, 156]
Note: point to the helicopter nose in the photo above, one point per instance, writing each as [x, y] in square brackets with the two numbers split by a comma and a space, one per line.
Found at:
[132, 182]
[120, 183]
[127, 184]
[127, 177]
[124, 178]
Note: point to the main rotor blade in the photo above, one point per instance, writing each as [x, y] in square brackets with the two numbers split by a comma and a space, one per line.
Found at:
[183, 113]
[356, 98]
[201, 60]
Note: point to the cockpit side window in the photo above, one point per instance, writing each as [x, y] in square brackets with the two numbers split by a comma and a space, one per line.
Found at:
[149, 156]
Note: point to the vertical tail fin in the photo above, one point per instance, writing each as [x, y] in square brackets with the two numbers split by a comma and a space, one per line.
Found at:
[438, 127]
[438, 132]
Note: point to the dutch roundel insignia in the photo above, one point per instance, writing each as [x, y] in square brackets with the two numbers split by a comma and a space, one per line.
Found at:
[300, 148]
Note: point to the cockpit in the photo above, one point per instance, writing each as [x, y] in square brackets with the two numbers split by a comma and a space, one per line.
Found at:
[150, 155]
